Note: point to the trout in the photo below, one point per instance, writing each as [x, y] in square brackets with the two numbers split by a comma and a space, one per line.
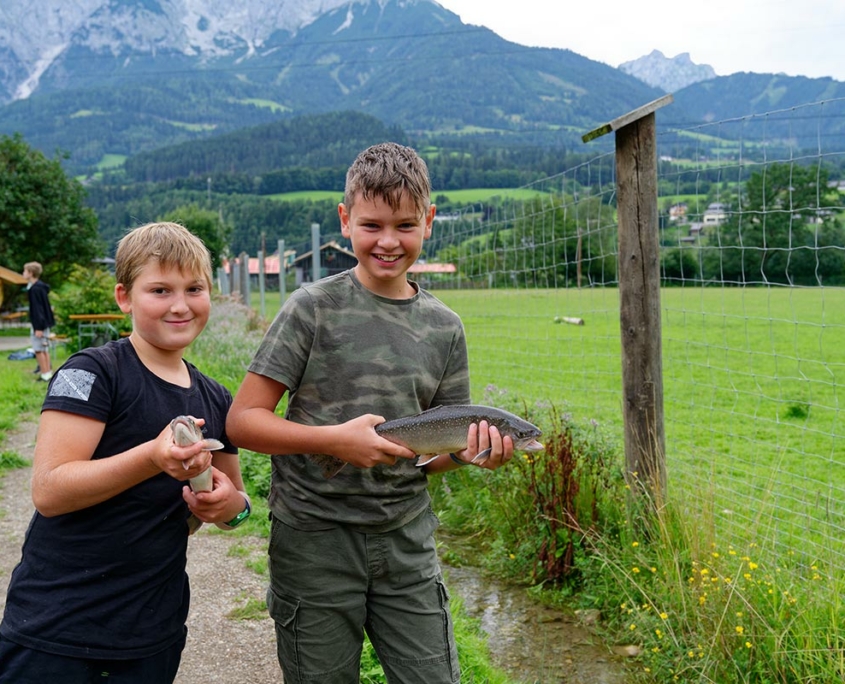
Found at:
[185, 433]
[442, 430]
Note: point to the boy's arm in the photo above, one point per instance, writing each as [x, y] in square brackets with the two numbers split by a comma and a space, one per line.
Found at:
[66, 479]
[252, 423]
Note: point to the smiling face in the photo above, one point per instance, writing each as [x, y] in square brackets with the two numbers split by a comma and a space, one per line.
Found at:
[169, 307]
[385, 241]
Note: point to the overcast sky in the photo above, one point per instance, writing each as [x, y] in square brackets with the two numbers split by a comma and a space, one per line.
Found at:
[796, 37]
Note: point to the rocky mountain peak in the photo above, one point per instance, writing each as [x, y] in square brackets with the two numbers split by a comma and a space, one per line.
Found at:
[34, 36]
[671, 75]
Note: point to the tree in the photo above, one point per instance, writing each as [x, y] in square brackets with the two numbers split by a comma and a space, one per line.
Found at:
[205, 224]
[42, 214]
[787, 232]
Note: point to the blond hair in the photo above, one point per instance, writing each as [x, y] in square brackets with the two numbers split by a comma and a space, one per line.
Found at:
[34, 268]
[389, 171]
[168, 245]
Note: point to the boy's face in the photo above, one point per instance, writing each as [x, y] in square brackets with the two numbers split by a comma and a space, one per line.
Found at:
[169, 308]
[386, 242]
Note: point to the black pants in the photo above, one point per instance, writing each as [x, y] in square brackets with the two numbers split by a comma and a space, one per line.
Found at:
[21, 665]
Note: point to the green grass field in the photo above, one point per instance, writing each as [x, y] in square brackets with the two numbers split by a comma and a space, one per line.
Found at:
[752, 389]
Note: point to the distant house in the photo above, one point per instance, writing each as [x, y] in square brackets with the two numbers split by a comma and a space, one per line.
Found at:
[271, 269]
[333, 259]
[421, 267]
[678, 212]
[715, 214]
[427, 274]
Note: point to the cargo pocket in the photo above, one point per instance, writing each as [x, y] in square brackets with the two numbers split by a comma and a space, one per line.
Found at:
[283, 610]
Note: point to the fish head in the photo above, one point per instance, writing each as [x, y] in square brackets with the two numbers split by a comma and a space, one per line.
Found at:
[524, 435]
[185, 430]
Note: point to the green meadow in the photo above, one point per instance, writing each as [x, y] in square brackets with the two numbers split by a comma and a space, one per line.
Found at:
[752, 380]
[752, 383]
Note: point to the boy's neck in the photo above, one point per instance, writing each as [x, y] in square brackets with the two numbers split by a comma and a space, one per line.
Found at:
[166, 364]
[401, 288]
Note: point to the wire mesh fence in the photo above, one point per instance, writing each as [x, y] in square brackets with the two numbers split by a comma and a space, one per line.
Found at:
[753, 313]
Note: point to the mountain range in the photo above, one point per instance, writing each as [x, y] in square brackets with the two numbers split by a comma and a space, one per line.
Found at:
[104, 79]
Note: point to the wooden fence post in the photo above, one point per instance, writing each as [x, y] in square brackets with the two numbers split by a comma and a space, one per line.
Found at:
[639, 298]
[244, 273]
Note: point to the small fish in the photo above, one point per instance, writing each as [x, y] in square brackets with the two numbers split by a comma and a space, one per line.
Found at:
[442, 430]
[185, 433]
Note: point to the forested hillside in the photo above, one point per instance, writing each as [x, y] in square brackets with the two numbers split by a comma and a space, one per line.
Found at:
[236, 173]
[307, 142]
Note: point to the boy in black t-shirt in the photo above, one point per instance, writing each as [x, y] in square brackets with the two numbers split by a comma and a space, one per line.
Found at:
[40, 317]
[101, 587]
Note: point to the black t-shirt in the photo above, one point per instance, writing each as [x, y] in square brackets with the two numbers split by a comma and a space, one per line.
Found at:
[109, 581]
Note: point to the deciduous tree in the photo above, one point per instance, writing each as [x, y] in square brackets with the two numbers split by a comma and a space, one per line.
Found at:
[42, 213]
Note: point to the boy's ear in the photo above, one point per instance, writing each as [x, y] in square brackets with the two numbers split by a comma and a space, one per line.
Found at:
[121, 296]
[429, 221]
[343, 214]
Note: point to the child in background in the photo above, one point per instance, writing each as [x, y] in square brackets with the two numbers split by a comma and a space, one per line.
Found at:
[101, 592]
[40, 317]
[356, 552]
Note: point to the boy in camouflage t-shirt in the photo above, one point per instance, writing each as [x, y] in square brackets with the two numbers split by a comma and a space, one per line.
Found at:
[355, 551]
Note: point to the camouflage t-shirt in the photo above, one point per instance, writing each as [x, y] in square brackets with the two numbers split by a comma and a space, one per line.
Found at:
[343, 351]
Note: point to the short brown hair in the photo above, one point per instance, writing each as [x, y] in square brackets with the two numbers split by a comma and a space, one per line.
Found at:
[34, 268]
[389, 170]
[168, 245]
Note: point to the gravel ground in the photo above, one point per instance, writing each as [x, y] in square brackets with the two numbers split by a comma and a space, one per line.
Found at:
[219, 650]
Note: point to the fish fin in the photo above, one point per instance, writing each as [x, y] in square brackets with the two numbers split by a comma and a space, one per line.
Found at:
[212, 444]
[425, 459]
[482, 455]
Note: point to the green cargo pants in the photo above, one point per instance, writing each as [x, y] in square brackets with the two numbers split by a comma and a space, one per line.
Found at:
[327, 587]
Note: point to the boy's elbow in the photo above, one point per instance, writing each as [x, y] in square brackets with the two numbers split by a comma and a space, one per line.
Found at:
[234, 427]
[46, 505]
[44, 497]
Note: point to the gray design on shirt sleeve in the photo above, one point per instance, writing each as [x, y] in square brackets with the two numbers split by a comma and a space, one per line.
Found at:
[73, 382]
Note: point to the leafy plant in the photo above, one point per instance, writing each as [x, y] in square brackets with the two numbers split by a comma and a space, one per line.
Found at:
[87, 290]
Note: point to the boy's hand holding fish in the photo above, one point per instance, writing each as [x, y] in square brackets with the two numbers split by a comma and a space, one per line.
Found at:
[179, 461]
[482, 438]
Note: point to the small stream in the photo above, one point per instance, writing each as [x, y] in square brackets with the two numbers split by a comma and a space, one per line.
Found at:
[532, 643]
